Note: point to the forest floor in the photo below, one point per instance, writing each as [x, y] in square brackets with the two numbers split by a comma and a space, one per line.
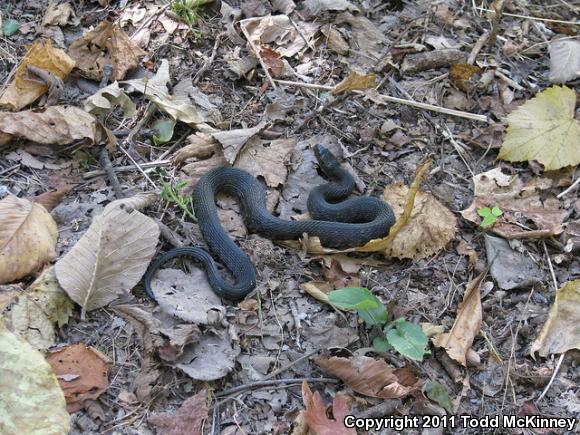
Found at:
[243, 365]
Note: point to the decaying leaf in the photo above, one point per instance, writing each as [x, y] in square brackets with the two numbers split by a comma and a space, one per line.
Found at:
[355, 81]
[107, 98]
[50, 200]
[21, 92]
[188, 419]
[315, 414]
[544, 129]
[111, 257]
[315, 7]
[57, 14]
[233, 141]
[561, 332]
[106, 44]
[564, 60]
[267, 159]
[82, 373]
[317, 289]
[31, 401]
[27, 238]
[523, 205]
[457, 342]
[187, 104]
[59, 125]
[369, 376]
[36, 312]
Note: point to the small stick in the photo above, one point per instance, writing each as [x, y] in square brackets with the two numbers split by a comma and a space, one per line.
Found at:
[251, 385]
[105, 162]
[527, 17]
[556, 371]
[569, 189]
[477, 48]
[381, 99]
[151, 18]
[98, 173]
[256, 51]
[551, 267]
[139, 168]
[199, 74]
[290, 365]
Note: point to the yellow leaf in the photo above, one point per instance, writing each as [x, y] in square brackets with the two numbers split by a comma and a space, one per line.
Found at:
[355, 81]
[22, 92]
[31, 401]
[561, 332]
[544, 129]
[27, 238]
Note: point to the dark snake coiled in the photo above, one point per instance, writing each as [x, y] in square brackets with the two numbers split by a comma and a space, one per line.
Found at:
[338, 224]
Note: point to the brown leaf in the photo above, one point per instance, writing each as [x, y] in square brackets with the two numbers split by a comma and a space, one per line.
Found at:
[464, 248]
[369, 376]
[355, 81]
[232, 141]
[267, 159]
[461, 75]
[60, 125]
[54, 84]
[457, 342]
[199, 145]
[57, 14]
[561, 332]
[106, 44]
[188, 419]
[272, 60]
[27, 238]
[524, 205]
[50, 200]
[315, 414]
[22, 91]
[82, 373]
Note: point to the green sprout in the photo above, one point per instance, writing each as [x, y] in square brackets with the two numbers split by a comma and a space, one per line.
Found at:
[405, 337]
[186, 10]
[172, 194]
[489, 215]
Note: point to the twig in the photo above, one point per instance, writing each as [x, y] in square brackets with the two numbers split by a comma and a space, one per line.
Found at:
[139, 168]
[199, 74]
[105, 162]
[551, 267]
[258, 384]
[569, 189]
[447, 133]
[174, 145]
[527, 17]
[382, 99]
[255, 49]
[477, 47]
[151, 18]
[290, 365]
[509, 81]
[556, 371]
[98, 173]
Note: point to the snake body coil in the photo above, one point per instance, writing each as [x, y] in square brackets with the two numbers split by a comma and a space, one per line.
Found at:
[338, 223]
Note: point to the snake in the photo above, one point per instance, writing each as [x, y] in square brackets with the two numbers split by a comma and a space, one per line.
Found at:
[339, 222]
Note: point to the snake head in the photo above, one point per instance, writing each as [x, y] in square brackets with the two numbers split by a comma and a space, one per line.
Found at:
[326, 159]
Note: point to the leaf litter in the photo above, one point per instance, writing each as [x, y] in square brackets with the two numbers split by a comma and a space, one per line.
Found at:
[219, 89]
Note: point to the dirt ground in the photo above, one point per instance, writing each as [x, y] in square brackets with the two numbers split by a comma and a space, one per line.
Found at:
[274, 337]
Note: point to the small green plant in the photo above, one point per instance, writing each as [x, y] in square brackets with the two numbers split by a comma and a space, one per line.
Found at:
[172, 194]
[186, 10]
[405, 337]
[489, 215]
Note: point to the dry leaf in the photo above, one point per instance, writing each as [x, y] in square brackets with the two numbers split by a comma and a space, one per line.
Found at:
[334, 40]
[107, 98]
[564, 60]
[315, 414]
[82, 373]
[188, 419]
[106, 44]
[27, 238]
[111, 257]
[22, 92]
[561, 332]
[271, 59]
[461, 75]
[521, 204]
[315, 7]
[32, 402]
[544, 129]
[355, 81]
[187, 104]
[36, 312]
[60, 125]
[369, 376]
[317, 289]
[57, 14]
[457, 342]
[232, 141]
[199, 145]
[267, 159]
[50, 200]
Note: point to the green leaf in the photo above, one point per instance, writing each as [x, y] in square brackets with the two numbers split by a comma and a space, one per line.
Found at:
[496, 211]
[368, 306]
[437, 393]
[483, 212]
[10, 27]
[164, 129]
[381, 344]
[408, 339]
[489, 215]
